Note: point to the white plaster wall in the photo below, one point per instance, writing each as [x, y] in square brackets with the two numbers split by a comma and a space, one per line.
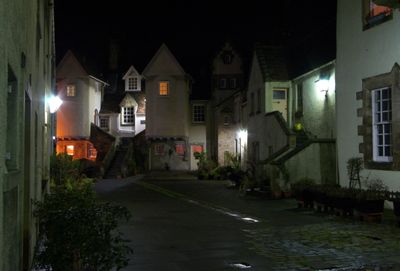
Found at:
[139, 127]
[94, 100]
[299, 165]
[167, 115]
[360, 54]
[72, 116]
[318, 109]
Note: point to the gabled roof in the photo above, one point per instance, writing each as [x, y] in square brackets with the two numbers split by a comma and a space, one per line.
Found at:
[68, 64]
[163, 50]
[111, 102]
[130, 71]
[71, 66]
[272, 61]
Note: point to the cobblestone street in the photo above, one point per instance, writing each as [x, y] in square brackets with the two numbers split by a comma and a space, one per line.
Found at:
[180, 223]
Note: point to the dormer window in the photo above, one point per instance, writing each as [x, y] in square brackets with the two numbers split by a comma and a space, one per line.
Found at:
[132, 83]
[132, 80]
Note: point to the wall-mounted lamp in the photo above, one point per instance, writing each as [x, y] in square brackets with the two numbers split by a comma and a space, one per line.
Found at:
[54, 103]
[242, 134]
[322, 83]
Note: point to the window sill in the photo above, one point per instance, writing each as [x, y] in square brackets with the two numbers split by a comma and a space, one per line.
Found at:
[379, 165]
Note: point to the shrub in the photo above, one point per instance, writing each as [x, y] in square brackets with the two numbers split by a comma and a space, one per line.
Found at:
[79, 233]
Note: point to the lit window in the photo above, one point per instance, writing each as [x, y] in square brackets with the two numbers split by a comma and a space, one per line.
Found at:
[164, 88]
[180, 148]
[382, 124]
[375, 14]
[197, 148]
[128, 116]
[132, 83]
[71, 91]
[105, 123]
[70, 150]
[198, 114]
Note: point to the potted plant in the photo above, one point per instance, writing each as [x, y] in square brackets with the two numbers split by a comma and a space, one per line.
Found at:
[370, 201]
[303, 192]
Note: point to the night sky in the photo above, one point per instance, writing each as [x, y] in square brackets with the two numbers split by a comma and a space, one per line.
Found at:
[194, 32]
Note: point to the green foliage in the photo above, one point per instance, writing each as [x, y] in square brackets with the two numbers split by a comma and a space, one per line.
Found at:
[63, 169]
[79, 233]
[205, 167]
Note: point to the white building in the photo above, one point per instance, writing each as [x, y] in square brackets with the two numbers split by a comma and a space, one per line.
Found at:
[367, 79]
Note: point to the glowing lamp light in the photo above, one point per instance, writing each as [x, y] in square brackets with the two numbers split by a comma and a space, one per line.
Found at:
[242, 134]
[322, 84]
[54, 103]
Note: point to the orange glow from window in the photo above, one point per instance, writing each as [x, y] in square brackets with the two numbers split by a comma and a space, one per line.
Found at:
[164, 88]
[70, 150]
[71, 90]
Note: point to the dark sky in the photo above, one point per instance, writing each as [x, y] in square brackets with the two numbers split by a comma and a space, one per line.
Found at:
[192, 31]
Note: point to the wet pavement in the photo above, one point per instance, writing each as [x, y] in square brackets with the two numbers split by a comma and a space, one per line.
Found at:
[180, 223]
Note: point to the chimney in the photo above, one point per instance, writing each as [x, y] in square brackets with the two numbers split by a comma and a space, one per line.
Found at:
[113, 55]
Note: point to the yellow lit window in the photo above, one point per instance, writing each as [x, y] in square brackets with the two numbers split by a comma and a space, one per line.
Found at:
[70, 150]
[71, 92]
[164, 88]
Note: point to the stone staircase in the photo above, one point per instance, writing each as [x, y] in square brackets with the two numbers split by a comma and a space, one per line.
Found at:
[114, 171]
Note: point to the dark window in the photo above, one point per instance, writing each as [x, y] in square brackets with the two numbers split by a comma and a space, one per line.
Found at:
[198, 113]
[299, 97]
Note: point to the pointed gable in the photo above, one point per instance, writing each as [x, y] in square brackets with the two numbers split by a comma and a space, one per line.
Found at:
[131, 72]
[69, 66]
[132, 80]
[273, 63]
[128, 101]
[163, 62]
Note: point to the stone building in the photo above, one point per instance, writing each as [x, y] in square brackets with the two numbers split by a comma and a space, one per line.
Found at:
[26, 81]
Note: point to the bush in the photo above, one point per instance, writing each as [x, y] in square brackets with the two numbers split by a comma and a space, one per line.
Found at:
[79, 233]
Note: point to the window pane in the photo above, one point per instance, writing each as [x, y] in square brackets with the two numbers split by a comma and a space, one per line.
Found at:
[387, 129]
[279, 94]
[387, 139]
[380, 128]
[385, 116]
[380, 151]
[380, 140]
[388, 151]
[377, 96]
[164, 88]
[377, 117]
[385, 105]
[384, 93]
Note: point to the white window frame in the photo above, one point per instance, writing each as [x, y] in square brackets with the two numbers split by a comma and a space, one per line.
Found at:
[107, 119]
[196, 114]
[125, 113]
[132, 83]
[386, 130]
